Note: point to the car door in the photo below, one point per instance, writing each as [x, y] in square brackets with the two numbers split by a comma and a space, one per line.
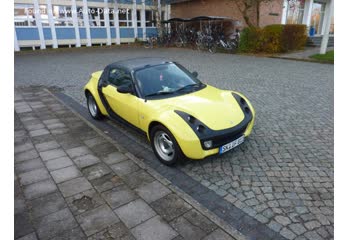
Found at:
[124, 105]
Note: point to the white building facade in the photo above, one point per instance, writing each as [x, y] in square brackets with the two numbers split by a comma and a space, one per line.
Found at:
[54, 23]
[313, 13]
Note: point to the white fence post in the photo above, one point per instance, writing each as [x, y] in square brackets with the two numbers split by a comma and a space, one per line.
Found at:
[86, 23]
[16, 42]
[75, 23]
[39, 25]
[143, 20]
[328, 18]
[116, 23]
[106, 17]
[52, 24]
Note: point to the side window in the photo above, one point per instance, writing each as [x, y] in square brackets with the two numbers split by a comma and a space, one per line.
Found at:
[118, 77]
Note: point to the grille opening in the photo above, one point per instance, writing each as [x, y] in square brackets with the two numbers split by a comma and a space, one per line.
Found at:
[242, 101]
[191, 119]
[200, 128]
[247, 110]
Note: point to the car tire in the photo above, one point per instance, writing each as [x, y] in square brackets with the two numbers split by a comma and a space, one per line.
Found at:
[92, 106]
[165, 146]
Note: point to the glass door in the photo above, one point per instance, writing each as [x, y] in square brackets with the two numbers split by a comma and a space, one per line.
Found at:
[317, 17]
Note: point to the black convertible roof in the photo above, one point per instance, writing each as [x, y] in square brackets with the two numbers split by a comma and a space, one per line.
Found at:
[137, 63]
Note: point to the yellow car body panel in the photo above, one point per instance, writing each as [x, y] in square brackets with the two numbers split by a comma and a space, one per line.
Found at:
[216, 108]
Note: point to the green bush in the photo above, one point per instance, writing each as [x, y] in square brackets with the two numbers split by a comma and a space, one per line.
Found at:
[273, 38]
[294, 37]
[249, 40]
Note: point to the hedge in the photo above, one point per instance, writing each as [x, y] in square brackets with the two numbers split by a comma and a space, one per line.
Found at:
[273, 38]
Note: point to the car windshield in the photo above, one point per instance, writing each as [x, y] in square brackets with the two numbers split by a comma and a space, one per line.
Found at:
[166, 79]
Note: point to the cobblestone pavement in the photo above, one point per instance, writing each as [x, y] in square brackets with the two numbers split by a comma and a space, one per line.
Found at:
[71, 183]
[283, 174]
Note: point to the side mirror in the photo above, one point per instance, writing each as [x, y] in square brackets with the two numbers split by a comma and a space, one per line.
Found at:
[125, 89]
[195, 74]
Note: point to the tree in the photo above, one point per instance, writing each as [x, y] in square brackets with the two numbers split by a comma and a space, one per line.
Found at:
[156, 6]
[246, 6]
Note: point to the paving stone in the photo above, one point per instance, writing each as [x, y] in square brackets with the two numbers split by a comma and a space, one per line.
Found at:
[297, 228]
[282, 220]
[47, 204]
[107, 182]
[114, 157]
[275, 226]
[170, 207]
[39, 189]
[124, 168]
[75, 233]
[28, 165]
[86, 160]
[116, 231]
[64, 174]
[23, 147]
[56, 125]
[58, 163]
[94, 141]
[218, 234]
[35, 127]
[24, 156]
[312, 225]
[33, 176]
[96, 171]
[197, 219]
[103, 149]
[52, 154]
[152, 191]
[313, 236]
[39, 132]
[55, 224]
[30, 236]
[186, 229]
[134, 213]
[78, 151]
[84, 201]
[97, 219]
[154, 229]
[138, 179]
[19, 205]
[74, 186]
[119, 196]
[22, 225]
[285, 232]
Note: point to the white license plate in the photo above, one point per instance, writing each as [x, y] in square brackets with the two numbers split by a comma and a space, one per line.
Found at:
[231, 145]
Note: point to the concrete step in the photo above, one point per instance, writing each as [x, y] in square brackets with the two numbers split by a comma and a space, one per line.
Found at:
[316, 41]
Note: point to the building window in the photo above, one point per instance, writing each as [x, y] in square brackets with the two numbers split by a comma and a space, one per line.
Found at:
[62, 15]
[138, 14]
[80, 16]
[125, 18]
[111, 16]
[295, 11]
[150, 18]
[96, 17]
[24, 15]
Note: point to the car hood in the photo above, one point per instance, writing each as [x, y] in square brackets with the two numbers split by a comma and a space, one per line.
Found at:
[217, 109]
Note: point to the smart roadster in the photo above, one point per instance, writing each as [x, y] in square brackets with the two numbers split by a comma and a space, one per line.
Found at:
[181, 116]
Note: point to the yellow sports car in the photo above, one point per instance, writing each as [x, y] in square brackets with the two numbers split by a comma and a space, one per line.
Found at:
[181, 116]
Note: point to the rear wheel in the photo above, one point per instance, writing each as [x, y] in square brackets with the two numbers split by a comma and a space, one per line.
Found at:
[92, 107]
[165, 146]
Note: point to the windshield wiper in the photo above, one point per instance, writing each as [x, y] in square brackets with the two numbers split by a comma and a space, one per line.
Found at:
[189, 86]
[158, 94]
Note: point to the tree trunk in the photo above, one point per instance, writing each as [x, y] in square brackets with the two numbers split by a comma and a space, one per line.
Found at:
[258, 13]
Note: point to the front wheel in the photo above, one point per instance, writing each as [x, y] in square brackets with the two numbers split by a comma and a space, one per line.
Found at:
[165, 146]
[93, 108]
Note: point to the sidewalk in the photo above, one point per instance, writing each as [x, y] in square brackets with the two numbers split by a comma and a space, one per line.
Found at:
[73, 183]
[303, 54]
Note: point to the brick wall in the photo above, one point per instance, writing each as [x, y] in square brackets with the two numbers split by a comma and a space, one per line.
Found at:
[226, 8]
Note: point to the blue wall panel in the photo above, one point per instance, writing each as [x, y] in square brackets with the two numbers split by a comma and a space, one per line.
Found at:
[113, 32]
[98, 32]
[65, 33]
[139, 32]
[47, 33]
[151, 32]
[27, 33]
[82, 33]
[126, 32]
